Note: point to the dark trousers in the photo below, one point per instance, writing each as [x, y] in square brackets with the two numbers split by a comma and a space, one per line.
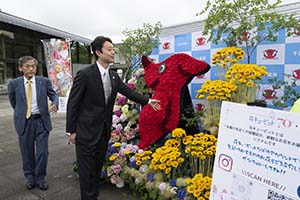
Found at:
[90, 161]
[34, 149]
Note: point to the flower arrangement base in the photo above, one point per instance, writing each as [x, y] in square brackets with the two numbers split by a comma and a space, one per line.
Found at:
[121, 184]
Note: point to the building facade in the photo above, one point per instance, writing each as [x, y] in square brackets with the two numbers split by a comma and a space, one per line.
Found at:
[20, 37]
[280, 57]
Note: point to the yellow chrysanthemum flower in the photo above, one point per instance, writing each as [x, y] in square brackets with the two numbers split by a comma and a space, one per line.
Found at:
[117, 144]
[127, 152]
[167, 170]
[112, 157]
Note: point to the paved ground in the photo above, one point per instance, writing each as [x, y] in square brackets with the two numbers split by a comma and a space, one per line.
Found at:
[63, 183]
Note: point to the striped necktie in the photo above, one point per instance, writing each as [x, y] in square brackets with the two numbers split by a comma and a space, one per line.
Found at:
[106, 86]
[28, 99]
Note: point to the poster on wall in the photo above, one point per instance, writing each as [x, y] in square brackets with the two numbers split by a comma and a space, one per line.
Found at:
[58, 62]
[257, 154]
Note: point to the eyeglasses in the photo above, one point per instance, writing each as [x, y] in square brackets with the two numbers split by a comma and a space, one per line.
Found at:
[29, 66]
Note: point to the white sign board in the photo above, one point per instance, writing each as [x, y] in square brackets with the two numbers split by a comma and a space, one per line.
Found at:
[258, 154]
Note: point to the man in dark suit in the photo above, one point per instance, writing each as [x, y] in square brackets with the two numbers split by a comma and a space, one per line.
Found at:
[89, 114]
[28, 96]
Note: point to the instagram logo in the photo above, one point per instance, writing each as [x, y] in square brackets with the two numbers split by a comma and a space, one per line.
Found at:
[225, 162]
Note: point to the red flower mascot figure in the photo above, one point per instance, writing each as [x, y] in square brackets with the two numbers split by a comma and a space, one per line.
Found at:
[168, 79]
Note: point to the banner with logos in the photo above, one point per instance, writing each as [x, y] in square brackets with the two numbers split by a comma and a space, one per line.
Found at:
[58, 62]
[257, 154]
[280, 57]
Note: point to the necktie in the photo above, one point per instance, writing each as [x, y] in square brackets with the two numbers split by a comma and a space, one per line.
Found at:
[106, 86]
[28, 99]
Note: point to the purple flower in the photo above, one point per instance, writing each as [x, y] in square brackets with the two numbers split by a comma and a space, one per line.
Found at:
[133, 165]
[150, 177]
[103, 173]
[121, 100]
[118, 113]
[181, 194]
[173, 182]
[112, 150]
[131, 86]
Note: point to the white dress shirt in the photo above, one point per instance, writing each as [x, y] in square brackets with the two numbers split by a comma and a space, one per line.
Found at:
[34, 105]
[102, 70]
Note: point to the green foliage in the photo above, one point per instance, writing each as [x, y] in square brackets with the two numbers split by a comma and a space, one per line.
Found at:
[141, 86]
[82, 51]
[290, 94]
[192, 121]
[138, 189]
[138, 42]
[237, 17]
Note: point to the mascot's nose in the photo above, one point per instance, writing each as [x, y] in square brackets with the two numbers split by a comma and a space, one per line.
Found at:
[146, 61]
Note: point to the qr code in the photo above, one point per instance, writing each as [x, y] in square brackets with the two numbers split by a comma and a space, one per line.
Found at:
[272, 195]
[241, 188]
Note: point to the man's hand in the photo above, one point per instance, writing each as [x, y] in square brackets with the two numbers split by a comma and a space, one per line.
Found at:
[52, 108]
[154, 103]
[72, 138]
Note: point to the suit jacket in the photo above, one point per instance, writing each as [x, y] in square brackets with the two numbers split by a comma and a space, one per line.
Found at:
[17, 99]
[87, 112]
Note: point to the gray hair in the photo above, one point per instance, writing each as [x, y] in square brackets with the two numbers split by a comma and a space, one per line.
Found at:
[24, 59]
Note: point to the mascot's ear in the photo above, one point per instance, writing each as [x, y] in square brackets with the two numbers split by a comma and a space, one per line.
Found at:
[146, 61]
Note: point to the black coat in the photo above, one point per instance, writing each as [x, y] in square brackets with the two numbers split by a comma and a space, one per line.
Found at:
[87, 113]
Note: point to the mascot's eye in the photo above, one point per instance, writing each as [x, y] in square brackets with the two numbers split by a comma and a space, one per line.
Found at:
[161, 68]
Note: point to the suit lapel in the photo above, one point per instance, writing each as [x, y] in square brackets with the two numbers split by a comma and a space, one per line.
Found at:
[22, 92]
[99, 84]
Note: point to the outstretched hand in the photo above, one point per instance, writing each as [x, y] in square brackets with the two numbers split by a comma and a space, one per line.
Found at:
[154, 103]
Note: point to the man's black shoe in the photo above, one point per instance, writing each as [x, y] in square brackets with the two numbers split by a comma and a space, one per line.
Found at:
[43, 186]
[29, 186]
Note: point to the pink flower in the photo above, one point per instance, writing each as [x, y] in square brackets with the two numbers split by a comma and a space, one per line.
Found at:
[117, 168]
[119, 127]
[118, 113]
[116, 119]
[116, 132]
[115, 179]
[121, 100]
[129, 135]
[131, 86]
[115, 136]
